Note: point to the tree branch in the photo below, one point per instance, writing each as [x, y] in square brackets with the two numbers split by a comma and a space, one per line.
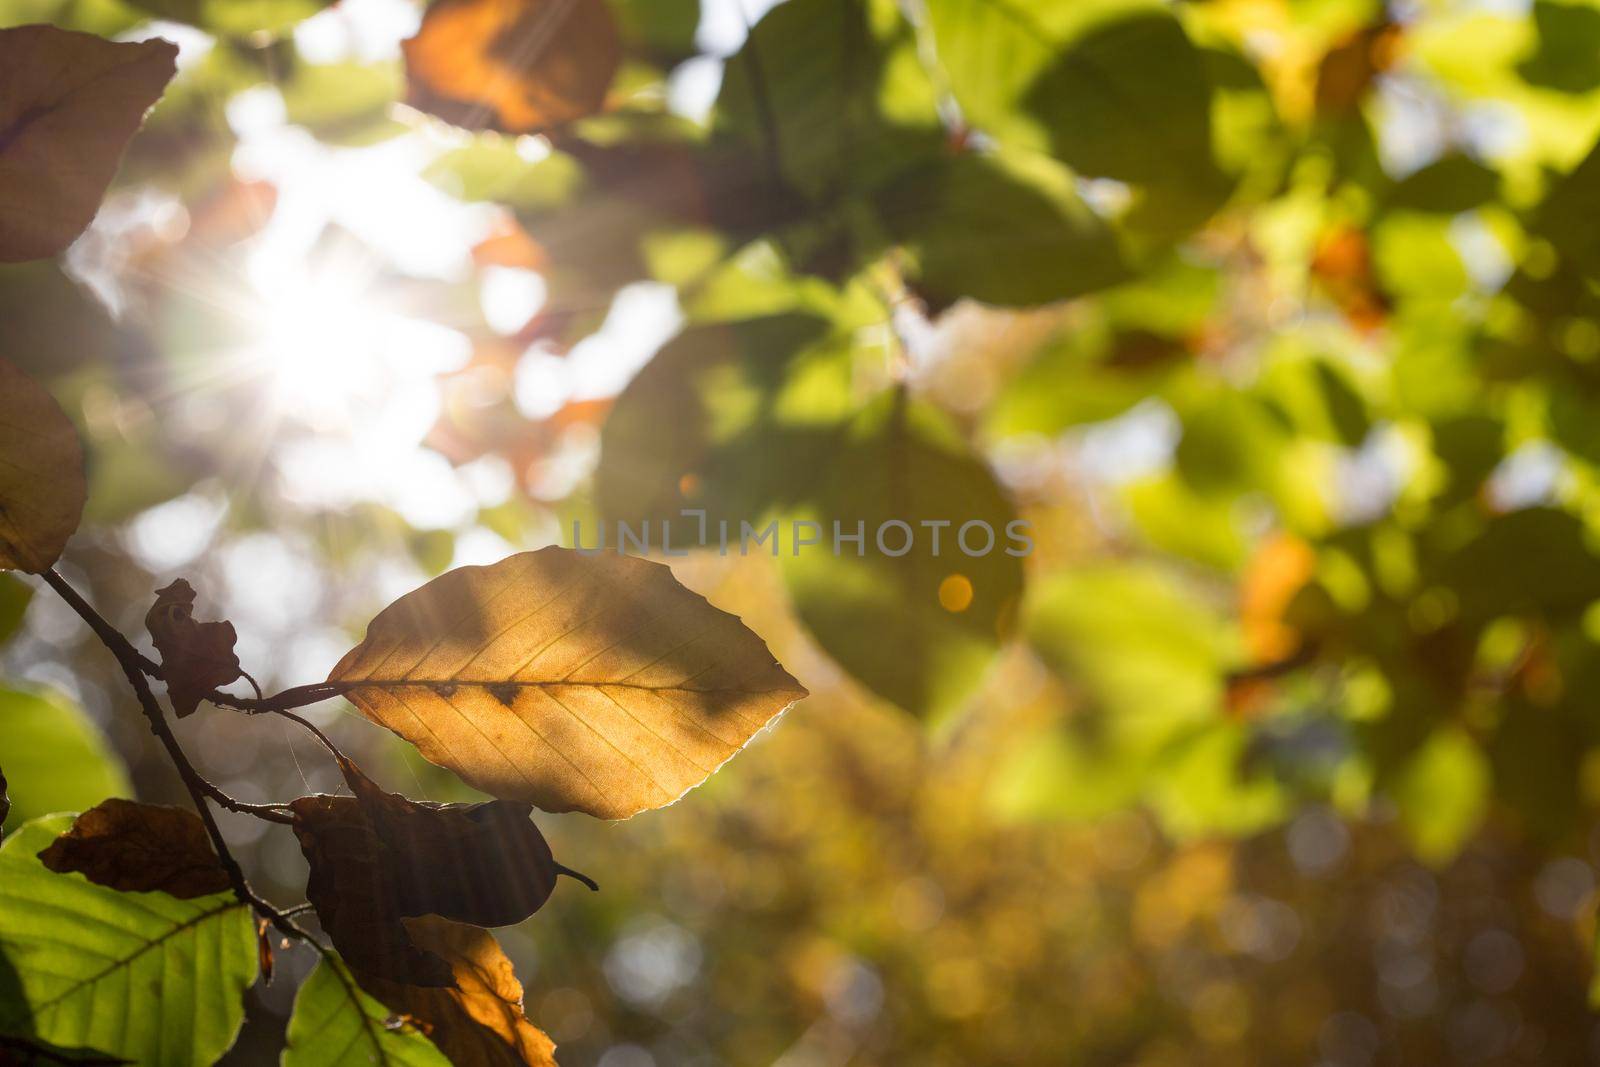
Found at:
[133, 666]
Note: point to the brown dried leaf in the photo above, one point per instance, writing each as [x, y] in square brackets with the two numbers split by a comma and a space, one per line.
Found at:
[574, 682]
[352, 887]
[140, 848]
[377, 857]
[513, 65]
[42, 486]
[196, 657]
[69, 104]
[480, 1022]
[485, 864]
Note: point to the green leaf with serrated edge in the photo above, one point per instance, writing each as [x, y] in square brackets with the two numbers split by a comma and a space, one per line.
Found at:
[143, 976]
[335, 1023]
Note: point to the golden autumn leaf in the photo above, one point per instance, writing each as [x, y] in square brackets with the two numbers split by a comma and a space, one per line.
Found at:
[140, 848]
[196, 657]
[42, 486]
[69, 104]
[575, 682]
[479, 1022]
[513, 65]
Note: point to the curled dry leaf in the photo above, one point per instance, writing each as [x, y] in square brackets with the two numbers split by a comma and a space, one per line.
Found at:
[479, 1022]
[196, 657]
[69, 104]
[42, 486]
[574, 682]
[377, 857]
[140, 848]
[512, 65]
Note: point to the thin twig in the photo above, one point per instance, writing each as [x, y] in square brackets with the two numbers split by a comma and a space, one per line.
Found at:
[199, 788]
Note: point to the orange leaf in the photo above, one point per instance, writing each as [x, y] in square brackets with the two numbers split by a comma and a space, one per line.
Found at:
[69, 104]
[479, 1022]
[1279, 570]
[514, 65]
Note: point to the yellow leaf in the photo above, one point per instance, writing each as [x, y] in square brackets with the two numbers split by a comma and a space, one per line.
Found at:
[591, 683]
[69, 104]
[42, 487]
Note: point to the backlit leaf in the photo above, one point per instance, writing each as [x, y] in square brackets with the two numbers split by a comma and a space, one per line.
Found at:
[480, 1022]
[335, 1023]
[976, 230]
[42, 487]
[573, 682]
[513, 65]
[143, 848]
[806, 96]
[69, 103]
[1112, 88]
[918, 624]
[54, 756]
[143, 976]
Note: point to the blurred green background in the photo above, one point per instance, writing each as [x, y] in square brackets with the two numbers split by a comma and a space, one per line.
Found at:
[1278, 319]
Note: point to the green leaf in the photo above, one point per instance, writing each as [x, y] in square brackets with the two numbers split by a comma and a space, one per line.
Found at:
[235, 18]
[918, 629]
[1141, 647]
[335, 1024]
[999, 234]
[1112, 88]
[1443, 794]
[1534, 560]
[14, 597]
[806, 95]
[1569, 218]
[489, 167]
[658, 30]
[345, 103]
[1569, 39]
[759, 422]
[104, 17]
[144, 976]
[55, 758]
[733, 419]
[1446, 186]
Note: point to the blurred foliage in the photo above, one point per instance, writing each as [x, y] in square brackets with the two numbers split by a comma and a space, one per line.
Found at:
[1278, 320]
